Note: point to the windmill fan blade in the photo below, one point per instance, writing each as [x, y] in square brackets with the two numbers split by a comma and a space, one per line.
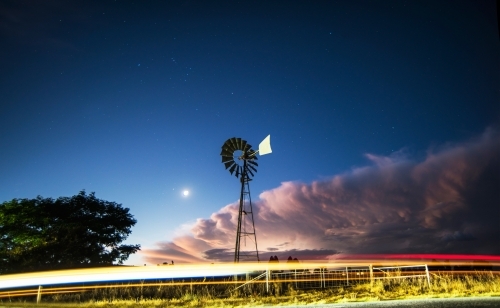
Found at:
[250, 171]
[228, 164]
[253, 163]
[228, 145]
[226, 158]
[233, 143]
[265, 146]
[232, 168]
[226, 152]
[247, 147]
[238, 172]
[243, 145]
[238, 144]
[253, 168]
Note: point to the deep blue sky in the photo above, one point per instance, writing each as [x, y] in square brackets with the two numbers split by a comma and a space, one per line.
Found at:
[133, 99]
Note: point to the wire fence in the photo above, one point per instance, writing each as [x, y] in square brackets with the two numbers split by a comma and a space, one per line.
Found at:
[320, 278]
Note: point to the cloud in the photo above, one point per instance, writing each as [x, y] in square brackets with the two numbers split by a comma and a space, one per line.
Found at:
[447, 203]
[181, 251]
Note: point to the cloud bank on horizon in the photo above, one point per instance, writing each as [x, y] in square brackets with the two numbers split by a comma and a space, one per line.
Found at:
[447, 203]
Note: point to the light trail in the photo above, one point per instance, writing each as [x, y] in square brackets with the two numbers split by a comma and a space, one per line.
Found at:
[118, 273]
[173, 272]
[191, 283]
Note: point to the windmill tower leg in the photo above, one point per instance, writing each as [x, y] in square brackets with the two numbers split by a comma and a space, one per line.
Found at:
[245, 211]
[249, 210]
[240, 213]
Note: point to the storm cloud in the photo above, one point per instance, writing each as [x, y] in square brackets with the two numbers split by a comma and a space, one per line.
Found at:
[448, 202]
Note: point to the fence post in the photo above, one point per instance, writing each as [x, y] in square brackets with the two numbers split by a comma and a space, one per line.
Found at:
[322, 273]
[247, 278]
[39, 295]
[347, 275]
[428, 276]
[371, 276]
[267, 280]
[295, 278]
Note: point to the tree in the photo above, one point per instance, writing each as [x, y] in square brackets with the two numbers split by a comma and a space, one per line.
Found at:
[80, 231]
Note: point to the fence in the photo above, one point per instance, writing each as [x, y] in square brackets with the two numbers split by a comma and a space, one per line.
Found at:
[402, 272]
[319, 278]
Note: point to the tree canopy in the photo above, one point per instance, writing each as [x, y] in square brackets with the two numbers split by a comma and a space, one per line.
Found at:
[69, 232]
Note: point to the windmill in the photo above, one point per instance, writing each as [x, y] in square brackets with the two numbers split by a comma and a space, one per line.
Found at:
[239, 157]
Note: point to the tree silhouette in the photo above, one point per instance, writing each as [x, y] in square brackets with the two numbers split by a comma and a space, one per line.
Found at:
[69, 232]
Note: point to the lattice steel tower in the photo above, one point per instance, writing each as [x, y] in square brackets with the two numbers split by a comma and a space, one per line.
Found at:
[239, 157]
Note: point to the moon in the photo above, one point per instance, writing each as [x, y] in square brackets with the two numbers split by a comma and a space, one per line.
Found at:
[185, 193]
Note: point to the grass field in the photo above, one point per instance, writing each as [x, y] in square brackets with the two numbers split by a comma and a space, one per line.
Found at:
[220, 295]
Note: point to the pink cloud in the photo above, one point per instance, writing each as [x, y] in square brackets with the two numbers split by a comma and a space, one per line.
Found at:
[447, 203]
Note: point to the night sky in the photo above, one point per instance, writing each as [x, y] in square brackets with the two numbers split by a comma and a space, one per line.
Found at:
[384, 120]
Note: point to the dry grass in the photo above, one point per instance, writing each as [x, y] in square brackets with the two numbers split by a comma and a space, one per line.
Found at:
[479, 284]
